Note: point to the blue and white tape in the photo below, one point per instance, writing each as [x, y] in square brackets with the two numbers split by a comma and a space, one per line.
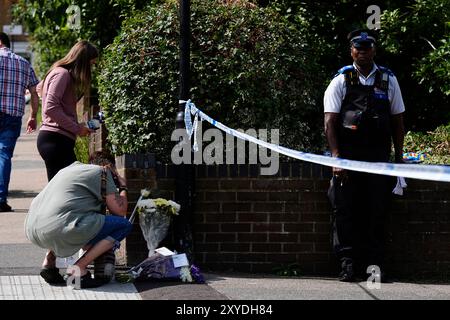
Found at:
[190, 128]
[414, 171]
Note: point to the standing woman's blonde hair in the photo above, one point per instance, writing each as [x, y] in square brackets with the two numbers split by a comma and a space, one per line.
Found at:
[78, 63]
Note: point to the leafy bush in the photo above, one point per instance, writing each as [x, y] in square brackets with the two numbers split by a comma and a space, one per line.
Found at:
[434, 69]
[82, 149]
[51, 38]
[250, 68]
[416, 36]
[435, 143]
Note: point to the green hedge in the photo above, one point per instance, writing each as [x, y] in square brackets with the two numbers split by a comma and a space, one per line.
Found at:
[250, 69]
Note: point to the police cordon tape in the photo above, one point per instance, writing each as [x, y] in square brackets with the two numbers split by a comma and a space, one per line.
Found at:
[414, 171]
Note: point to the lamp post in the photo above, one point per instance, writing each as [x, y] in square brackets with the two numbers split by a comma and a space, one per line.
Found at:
[184, 182]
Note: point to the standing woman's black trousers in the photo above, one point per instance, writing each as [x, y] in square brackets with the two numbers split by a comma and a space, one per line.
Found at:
[56, 150]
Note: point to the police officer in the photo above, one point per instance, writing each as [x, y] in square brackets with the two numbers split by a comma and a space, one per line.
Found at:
[363, 109]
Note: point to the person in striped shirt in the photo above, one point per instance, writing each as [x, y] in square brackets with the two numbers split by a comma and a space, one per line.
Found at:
[16, 76]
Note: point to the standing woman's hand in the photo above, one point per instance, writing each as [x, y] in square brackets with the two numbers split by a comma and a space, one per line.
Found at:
[84, 132]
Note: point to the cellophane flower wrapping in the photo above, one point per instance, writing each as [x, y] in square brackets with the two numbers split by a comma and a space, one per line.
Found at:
[156, 266]
[160, 267]
[155, 216]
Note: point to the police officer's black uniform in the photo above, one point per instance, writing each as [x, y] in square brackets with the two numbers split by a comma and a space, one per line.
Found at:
[364, 134]
[361, 199]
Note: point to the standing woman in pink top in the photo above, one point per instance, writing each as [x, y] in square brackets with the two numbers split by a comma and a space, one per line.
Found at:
[66, 81]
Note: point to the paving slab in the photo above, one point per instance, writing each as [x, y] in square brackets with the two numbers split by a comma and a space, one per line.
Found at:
[35, 288]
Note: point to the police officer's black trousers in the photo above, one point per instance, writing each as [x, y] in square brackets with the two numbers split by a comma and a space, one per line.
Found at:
[360, 203]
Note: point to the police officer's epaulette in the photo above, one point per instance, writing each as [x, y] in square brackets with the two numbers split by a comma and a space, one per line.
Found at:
[344, 70]
[350, 74]
[387, 70]
[383, 82]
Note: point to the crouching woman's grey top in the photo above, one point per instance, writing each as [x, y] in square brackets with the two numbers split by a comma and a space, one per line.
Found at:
[66, 215]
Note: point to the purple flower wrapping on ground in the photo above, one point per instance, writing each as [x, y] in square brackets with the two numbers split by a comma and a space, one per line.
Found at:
[195, 272]
[157, 267]
[171, 271]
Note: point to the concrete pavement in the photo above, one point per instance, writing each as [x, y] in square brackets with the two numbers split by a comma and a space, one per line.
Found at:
[249, 287]
[28, 177]
[20, 263]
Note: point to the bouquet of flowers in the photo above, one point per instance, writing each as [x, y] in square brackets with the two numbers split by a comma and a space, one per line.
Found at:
[163, 265]
[155, 216]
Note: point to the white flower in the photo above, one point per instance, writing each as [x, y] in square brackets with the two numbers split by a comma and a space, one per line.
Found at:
[145, 193]
[147, 204]
[175, 205]
[185, 274]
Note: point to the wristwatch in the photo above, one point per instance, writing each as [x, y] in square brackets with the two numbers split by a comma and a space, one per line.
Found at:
[123, 188]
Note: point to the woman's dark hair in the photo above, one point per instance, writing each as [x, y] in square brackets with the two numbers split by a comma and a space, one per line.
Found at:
[78, 62]
[102, 158]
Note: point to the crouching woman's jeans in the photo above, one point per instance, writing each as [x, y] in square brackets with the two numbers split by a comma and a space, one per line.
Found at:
[115, 229]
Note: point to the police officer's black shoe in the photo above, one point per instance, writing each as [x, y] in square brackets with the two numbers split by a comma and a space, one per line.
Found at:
[346, 277]
[347, 274]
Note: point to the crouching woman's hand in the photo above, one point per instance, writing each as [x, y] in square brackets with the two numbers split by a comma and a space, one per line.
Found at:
[117, 203]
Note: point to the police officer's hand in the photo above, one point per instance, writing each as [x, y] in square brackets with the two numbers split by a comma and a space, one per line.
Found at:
[399, 159]
[339, 173]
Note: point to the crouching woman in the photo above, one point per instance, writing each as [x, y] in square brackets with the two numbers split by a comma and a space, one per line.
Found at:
[67, 215]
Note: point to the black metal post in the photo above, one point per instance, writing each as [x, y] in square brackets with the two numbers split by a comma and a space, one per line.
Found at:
[184, 184]
[185, 54]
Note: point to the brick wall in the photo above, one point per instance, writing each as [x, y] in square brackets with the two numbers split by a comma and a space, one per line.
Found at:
[418, 231]
[6, 19]
[247, 222]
